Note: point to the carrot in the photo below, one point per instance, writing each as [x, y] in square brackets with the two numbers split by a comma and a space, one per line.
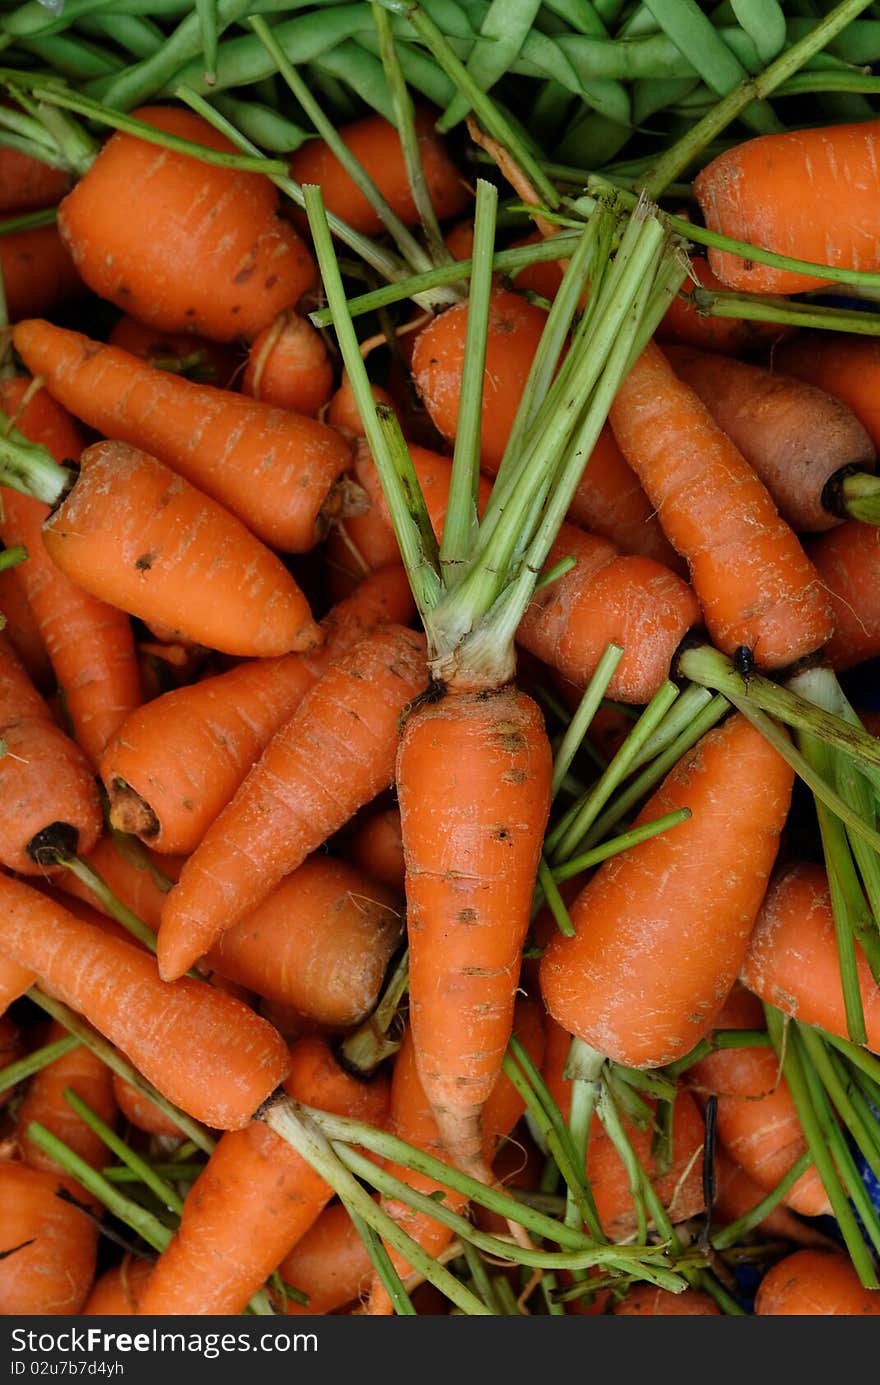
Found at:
[44, 1102]
[758, 1122]
[646, 1300]
[737, 1193]
[684, 325]
[376, 845]
[38, 274]
[140, 1111]
[90, 643]
[671, 917]
[846, 561]
[610, 502]
[137, 880]
[27, 184]
[792, 961]
[191, 247]
[201, 1049]
[412, 1120]
[47, 1246]
[815, 1283]
[21, 630]
[330, 1263]
[117, 1291]
[49, 799]
[255, 1198]
[751, 193]
[847, 367]
[376, 146]
[796, 438]
[14, 982]
[274, 469]
[751, 576]
[321, 942]
[543, 279]
[333, 755]
[342, 410]
[514, 330]
[137, 536]
[178, 760]
[288, 366]
[198, 358]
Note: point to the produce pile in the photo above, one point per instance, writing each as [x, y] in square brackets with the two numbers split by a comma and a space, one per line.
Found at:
[439, 789]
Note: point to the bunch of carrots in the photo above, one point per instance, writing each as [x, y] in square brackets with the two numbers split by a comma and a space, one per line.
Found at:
[439, 780]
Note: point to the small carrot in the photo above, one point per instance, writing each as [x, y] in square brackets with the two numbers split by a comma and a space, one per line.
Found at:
[177, 761]
[799, 440]
[196, 358]
[140, 1111]
[39, 276]
[27, 184]
[330, 1263]
[792, 960]
[140, 880]
[671, 917]
[137, 536]
[21, 630]
[749, 193]
[815, 1283]
[334, 755]
[751, 576]
[646, 1300]
[278, 471]
[321, 942]
[685, 325]
[255, 1198]
[49, 799]
[288, 366]
[846, 561]
[376, 146]
[203, 1050]
[191, 247]
[48, 1247]
[90, 643]
[846, 366]
[116, 1292]
[737, 1193]
[375, 845]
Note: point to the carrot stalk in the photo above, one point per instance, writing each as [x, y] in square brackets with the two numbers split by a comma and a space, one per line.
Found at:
[586, 710]
[576, 865]
[735, 1230]
[384, 1267]
[25, 1067]
[167, 1195]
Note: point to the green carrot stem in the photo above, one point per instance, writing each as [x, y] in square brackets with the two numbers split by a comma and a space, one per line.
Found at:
[859, 1057]
[10, 557]
[586, 710]
[121, 1066]
[24, 1068]
[89, 877]
[832, 1072]
[752, 308]
[384, 1267]
[370, 1044]
[167, 1195]
[181, 1173]
[547, 889]
[860, 491]
[29, 467]
[480, 1277]
[735, 1230]
[688, 705]
[28, 221]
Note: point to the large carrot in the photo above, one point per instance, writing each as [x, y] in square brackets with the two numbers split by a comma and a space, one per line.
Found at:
[137, 536]
[846, 366]
[815, 1283]
[255, 1198]
[800, 441]
[90, 643]
[792, 960]
[276, 470]
[204, 1051]
[190, 246]
[661, 930]
[846, 560]
[49, 800]
[376, 146]
[47, 1246]
[178, 760]
[751, 576]
[749, 193]
[38, 274]
[334, 755]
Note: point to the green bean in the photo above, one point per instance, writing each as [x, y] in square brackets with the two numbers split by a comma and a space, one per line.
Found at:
[138, 36]
[581, 15]
[764, 22]
[419, 68]
[858, 43]
[209, 31]
[336, 93]
[502, 34]
[266, 127]
[33, 18]
[593, 138]
[550, 110]
[653, 94]
[351, 65]
[75, 58]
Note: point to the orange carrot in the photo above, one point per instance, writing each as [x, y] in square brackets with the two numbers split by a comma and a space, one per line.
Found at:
[14, 981]
[737, 1193]
[47, 1246]
[334, 754]
[376, 846]
[795, 437]
[276, 470]
[90, 643]
[117, 1291]
[136, 880]
[255, 1183]
[203, 1050]
[49, 800]
[321, 942]
[815, 1283]
[751, 576]
[748, 193]
[610, 502]
[44, 1102]
[514, 330]
[671, 917]
[288, 366]
[792, 959]
[133, 534]
[543, 279]
[686, 326]
[38, 274]
[646, 1300]
[140, 1111]
[342, 410]
[758, 1122]
[27, 184]
[846, 561]
[331, 1264]
[23, 633]
[191, 247]
[179, 759]
[376, 146]
[198, 358]
[847, 367]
